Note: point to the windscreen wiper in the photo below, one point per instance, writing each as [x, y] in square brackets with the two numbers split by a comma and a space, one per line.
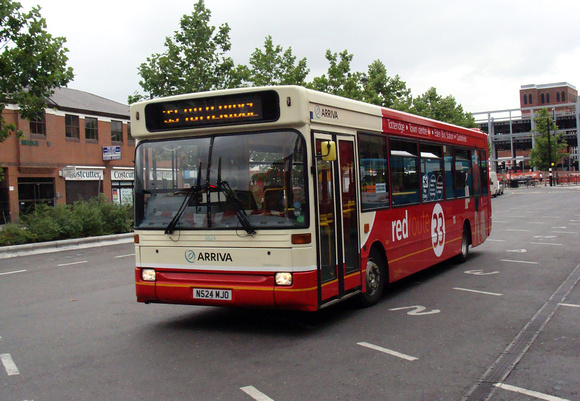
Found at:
[188, 195]
[233, 200]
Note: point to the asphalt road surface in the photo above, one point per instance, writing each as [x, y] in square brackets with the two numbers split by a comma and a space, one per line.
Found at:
[502, 326]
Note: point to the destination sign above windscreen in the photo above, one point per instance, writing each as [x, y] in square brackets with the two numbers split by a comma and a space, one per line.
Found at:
[243, 108]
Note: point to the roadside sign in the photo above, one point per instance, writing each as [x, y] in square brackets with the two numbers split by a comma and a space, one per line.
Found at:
[111, 153]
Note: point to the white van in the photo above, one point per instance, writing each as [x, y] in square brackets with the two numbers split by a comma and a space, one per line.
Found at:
[495, 187]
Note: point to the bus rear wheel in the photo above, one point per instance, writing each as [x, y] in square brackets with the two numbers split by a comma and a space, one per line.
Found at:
[465, 242]
[375, 278]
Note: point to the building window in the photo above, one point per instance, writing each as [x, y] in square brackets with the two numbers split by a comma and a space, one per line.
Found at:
[557, 96]
[531, 101]
[71, 124]
[38, 125]
[91, 128]
[116, 131]
[547, 98]
[543, 98]
[129, 135]
[563, 96]
[525, 99]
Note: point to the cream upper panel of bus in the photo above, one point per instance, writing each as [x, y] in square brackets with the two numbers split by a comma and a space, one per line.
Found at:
[342, 113]
[292, 102]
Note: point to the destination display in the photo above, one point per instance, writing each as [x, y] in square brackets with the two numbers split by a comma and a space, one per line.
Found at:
[243, 108]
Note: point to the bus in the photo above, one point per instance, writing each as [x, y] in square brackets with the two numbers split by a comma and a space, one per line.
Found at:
[284, 197]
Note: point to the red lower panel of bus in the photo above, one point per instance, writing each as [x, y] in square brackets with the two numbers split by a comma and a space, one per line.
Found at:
[228, 289]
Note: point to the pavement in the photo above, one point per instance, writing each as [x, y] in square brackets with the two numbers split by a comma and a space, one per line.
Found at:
[13, 251]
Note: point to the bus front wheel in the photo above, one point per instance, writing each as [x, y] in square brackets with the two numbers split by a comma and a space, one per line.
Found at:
[375, 278]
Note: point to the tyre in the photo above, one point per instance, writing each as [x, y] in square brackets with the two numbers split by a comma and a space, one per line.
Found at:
[375, 279]
[465, 243]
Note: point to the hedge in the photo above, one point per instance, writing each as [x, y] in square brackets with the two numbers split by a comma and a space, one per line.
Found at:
[83, 219]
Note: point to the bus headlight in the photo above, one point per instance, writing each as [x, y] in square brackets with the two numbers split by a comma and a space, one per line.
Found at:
[148, 275]
[283, 278]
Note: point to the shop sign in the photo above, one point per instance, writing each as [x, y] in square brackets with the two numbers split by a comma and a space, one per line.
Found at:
[122, 175]
[84, 175]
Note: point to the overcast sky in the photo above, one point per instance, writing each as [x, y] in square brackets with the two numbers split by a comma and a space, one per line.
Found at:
[480, 52]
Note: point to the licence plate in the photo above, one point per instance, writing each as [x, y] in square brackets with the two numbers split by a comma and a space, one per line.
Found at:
[203, 293]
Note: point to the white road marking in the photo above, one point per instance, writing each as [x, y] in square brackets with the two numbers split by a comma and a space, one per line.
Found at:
[418, 310]
[124, 256]
[516, 250]
[565, 232]
[255, 394]
[531, 393]
[546, 243]
[518, 261]
[14, 272]
[571, 305]
[480, 272]
[495, 240]
[73, 263]
[9, 365]
[478, 292]
[519, 231]
[388, 351]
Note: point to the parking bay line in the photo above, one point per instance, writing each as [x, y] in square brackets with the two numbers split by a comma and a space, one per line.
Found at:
[73, 263]
[255, 393]
[14, 272]
[124, 256]
[570, 305]
[518, 261]
[388, 351]
[9, 365]
[531, 393]
[495, 294]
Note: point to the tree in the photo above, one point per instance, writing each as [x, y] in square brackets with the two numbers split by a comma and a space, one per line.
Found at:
[194, 60]
[32, 63]
[382, 90]
[543, 153]
[433, 105]
[276, 66]
[340, 80]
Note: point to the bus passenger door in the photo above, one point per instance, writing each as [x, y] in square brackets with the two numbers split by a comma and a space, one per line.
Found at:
[338, 237]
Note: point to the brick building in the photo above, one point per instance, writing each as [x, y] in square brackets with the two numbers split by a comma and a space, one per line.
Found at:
[80, 146]
[557, 94]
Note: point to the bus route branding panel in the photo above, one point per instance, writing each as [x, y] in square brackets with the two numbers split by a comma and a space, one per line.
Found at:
[412, 226]
[407, 128]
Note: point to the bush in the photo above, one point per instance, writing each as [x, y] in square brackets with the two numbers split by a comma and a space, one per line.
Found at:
[90, 218]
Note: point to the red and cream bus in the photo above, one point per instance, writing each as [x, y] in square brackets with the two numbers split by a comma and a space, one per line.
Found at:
[284, 197]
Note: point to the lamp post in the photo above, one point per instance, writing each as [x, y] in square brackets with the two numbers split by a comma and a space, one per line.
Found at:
[550, 150]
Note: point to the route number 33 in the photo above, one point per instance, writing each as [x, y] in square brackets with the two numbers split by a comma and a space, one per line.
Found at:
[438, 230]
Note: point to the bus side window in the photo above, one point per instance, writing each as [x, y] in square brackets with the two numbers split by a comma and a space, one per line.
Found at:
[449, 174]
[373, 171]
[463, 173]
[405, 180]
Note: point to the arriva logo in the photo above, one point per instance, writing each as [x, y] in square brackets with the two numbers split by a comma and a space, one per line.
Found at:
[190, 256]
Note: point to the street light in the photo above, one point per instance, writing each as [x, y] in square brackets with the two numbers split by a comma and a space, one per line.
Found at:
[550, 148]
